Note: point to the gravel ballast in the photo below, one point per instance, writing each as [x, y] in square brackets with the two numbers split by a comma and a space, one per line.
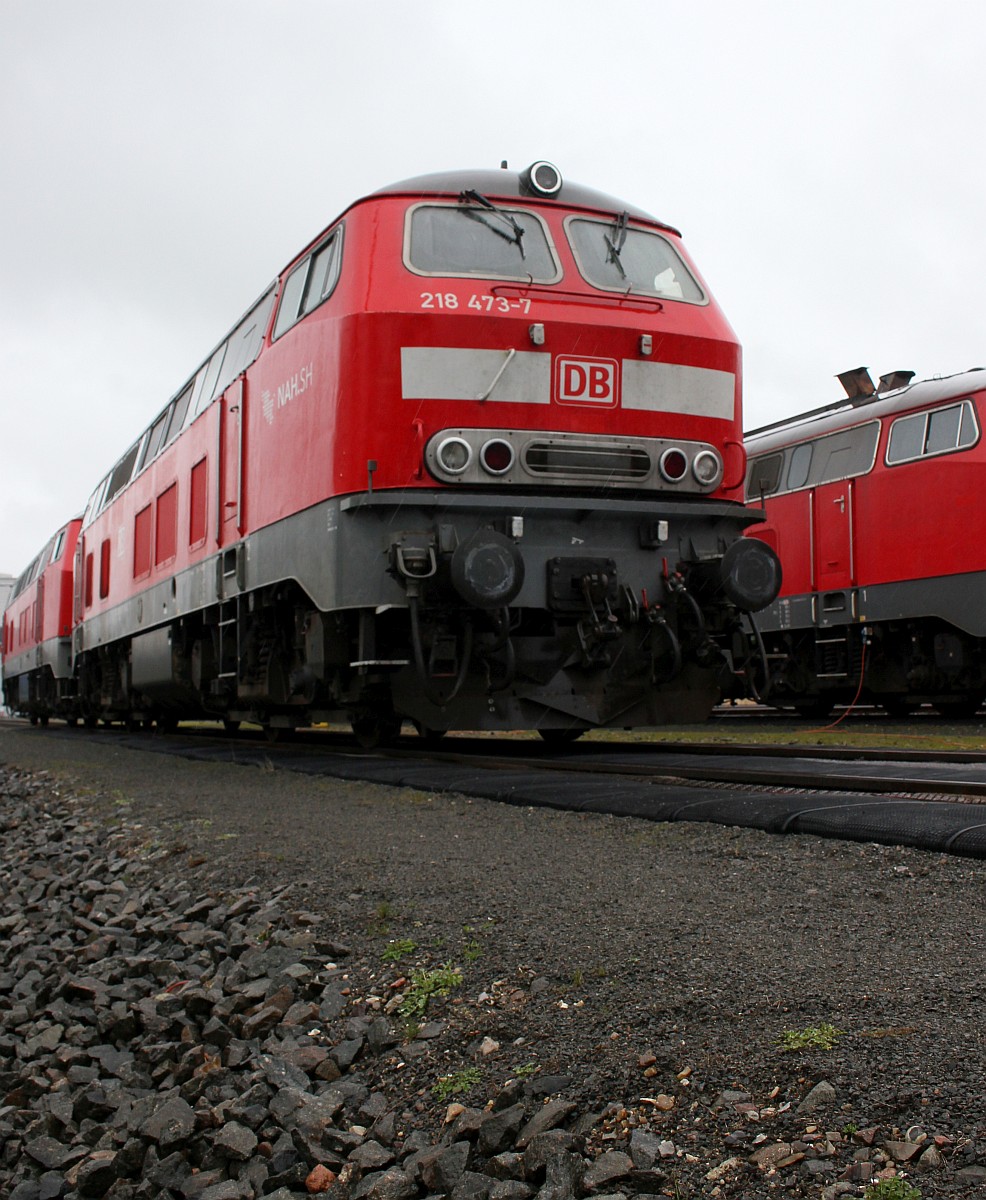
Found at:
[227, 982]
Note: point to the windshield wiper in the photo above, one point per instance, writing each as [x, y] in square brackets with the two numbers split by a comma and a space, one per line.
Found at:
[515, 237]
[615, 243]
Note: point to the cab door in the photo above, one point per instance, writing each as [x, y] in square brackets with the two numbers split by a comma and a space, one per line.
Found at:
[833, 536]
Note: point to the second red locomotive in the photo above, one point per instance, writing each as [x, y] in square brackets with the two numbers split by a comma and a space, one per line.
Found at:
[473, 460]
[873, 506]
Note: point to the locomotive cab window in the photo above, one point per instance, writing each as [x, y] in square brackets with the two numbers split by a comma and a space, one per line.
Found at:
[475, 240]
[310, 283]
[938, 431]
[764, 476]
[614, 256]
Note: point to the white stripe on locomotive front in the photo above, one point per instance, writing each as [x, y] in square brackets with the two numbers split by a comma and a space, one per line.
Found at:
[672, 388]
[445, 373]
[441, 373]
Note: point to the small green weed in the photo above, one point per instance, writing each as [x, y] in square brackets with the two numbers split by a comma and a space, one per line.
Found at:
[814, 1037]
[527, 1070]
[424, 985]
[454, 1085]
[399, 948]
[379, 925]
[472, 950]
[892, 1189]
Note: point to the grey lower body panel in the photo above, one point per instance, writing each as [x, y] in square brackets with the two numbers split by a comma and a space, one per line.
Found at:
[958, 600]
[602, 570]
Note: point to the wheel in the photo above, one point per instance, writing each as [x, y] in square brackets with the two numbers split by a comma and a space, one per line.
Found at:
[814, 710]
[560, 737]
[71, 722]
[90, 722]
[33, 719]
[373, 728]
[44, 721]
[167, 724]
[897, 708]
[230, 726]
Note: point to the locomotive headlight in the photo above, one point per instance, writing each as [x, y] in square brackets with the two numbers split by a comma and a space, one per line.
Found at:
[454, 454]
[707, 468]
[542, 178]
[673, 464]
[497, 456]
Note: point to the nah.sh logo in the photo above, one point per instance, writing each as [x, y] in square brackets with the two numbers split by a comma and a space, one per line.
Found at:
[586, 381]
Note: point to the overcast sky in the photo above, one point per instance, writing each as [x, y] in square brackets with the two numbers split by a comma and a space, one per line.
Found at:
[161, 160]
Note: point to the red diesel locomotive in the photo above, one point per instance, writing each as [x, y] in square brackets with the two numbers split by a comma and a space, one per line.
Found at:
[873, 506]
[37, 632]
[473, 460]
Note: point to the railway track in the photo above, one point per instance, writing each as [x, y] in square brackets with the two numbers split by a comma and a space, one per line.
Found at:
[933, 800]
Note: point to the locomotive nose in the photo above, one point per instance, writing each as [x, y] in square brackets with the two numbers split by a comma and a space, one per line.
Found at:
[750, 574]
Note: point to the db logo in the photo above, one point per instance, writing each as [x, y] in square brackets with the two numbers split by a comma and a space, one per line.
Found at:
[586, 381]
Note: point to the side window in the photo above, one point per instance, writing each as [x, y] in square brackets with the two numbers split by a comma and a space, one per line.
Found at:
[122, 473]
[89, 573]
[205, 381]
[324, 273]
[178, 414]
[245, 342]
[764, 476]
[800, 464]
[155, 439]
[59, 546]
[906, 438]
[310, 283]
[844, 454]
[939, 431]
[294, 288]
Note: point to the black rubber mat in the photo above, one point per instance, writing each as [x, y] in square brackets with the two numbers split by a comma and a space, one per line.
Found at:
[928, 825]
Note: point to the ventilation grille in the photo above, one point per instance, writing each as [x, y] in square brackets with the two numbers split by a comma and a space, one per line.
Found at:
[586, 460]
